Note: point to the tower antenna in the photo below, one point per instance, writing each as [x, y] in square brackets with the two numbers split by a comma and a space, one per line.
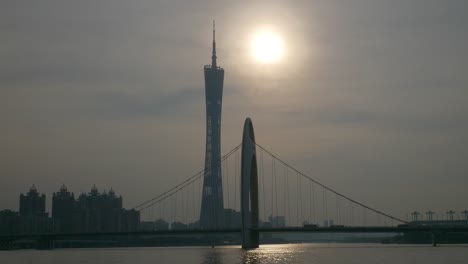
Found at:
[213, 57]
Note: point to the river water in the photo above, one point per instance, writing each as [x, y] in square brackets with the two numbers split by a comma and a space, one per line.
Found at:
[290, 253]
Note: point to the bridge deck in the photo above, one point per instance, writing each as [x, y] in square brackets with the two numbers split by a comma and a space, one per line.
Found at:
[408, 229]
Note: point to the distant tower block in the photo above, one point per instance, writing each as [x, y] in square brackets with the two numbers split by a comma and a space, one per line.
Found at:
[212, 210]
[465, 215]
[450, 215]
[429, 215]
[415, 215]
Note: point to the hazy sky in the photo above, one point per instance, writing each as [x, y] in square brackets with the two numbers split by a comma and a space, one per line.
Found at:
[370, 97]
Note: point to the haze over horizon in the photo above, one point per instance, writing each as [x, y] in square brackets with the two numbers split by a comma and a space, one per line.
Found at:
[369, 97]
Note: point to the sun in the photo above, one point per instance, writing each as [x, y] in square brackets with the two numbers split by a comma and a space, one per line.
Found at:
[267, 47]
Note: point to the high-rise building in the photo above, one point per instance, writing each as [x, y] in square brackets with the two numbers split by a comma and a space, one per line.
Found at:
[92, 212]
[33, 218]
[32, 203]
[63, 207]
[99, 212]
[103, 212]
[9, 222]
[212, 198]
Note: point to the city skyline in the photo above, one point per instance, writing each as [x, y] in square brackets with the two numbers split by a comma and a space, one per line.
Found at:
[445, 214]
[368, 98]
[87, 213]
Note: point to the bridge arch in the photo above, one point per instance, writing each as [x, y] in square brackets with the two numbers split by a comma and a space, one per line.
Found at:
[249, 188]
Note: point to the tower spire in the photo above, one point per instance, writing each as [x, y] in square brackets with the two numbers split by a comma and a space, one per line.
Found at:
[213, 57]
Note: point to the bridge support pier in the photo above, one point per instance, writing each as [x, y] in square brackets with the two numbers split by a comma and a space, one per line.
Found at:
[434, 239]
[249, 189]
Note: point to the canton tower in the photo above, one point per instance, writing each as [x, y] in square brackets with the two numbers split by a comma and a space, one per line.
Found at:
[212, 208]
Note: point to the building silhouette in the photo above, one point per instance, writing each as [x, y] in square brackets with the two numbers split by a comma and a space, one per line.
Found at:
[63, 207]
[212, 195]
[161, 224]
[32, 203]
[33, 218]
[92, 212]
[9, 222]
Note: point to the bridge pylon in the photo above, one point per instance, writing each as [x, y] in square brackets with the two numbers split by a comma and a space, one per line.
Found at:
[249, 189]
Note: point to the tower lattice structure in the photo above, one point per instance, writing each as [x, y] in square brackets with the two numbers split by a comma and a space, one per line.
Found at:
[212, 209]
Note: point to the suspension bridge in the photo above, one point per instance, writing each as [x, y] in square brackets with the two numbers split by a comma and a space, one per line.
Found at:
[262, 194]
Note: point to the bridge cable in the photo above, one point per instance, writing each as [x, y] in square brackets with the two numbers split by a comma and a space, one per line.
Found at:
[300, 199]
[287, 192]
[263, 185]
[326, 207]
[297, 200]
[331, 190]
[313, 203]
[236, 171]
[310, 202]
[184, 183]
[226, 165]
[272, 188]
[338, 213]
[276, 192]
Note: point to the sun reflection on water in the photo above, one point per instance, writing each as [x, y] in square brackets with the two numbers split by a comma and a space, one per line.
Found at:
[263, 255]
[272, 254]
